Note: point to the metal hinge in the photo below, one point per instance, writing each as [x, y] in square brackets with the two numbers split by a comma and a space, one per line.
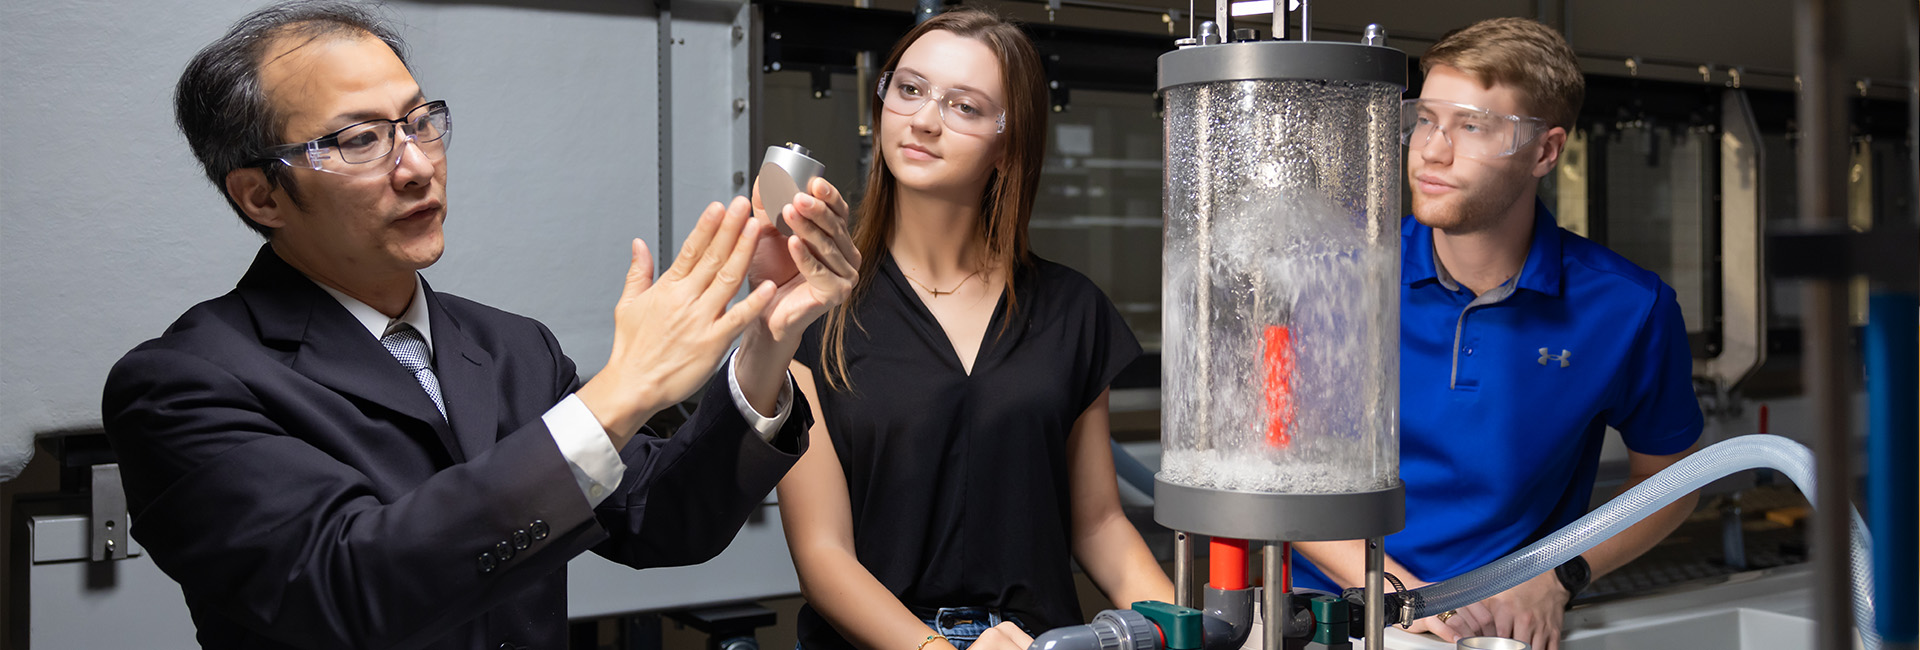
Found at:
[109, 521]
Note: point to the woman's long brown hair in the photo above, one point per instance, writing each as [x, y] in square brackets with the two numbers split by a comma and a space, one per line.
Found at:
[1006, 202]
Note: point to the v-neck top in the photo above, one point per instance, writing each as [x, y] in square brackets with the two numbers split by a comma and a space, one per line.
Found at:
[958, 483]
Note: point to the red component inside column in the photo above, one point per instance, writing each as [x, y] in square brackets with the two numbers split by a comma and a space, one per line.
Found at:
[1278, 362]
[1227, 563]
[1286, 567]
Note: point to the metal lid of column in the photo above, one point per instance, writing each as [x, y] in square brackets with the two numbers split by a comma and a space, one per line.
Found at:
[1271, 60]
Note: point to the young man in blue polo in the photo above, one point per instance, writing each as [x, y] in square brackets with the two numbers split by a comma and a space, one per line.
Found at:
[1520, 343]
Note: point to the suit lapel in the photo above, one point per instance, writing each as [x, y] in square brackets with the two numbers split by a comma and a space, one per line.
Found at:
[468, 382]
[331, 347]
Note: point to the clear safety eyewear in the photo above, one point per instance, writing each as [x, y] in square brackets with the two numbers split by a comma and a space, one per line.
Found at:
[964, 111]
[1473, 132]
[366, 149]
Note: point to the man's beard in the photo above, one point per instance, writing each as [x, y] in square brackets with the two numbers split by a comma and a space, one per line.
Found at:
[1468, 210]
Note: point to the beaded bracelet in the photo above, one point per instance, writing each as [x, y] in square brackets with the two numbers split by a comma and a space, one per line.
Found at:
[930, 638]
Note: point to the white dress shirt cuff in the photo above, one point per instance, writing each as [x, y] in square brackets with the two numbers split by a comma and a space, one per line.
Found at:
[590, 455]
[766, 426]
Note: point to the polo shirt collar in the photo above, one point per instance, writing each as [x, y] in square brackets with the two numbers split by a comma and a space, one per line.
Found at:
[1540, 273]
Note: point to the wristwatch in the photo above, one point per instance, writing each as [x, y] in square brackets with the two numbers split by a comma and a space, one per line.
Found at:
[1575, 575]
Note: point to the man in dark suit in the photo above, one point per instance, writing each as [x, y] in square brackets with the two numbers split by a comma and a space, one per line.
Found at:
[333, 455]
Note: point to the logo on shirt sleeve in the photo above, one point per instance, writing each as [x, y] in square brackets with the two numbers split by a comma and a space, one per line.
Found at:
[1562, 357]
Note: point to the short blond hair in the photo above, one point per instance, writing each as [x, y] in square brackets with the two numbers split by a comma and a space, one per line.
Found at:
[1518, 52]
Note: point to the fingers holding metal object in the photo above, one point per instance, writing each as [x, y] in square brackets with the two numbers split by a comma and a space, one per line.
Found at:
[837, 204]
[813, 224]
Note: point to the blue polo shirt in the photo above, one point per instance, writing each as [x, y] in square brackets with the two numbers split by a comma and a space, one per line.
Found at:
[1506, 397]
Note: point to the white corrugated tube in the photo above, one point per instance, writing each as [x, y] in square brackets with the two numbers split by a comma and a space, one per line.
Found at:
[1735, 455]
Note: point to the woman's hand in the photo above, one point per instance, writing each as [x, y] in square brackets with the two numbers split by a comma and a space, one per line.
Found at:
[1005, 636]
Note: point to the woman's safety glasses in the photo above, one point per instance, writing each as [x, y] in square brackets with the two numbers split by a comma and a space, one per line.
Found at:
[965, 111]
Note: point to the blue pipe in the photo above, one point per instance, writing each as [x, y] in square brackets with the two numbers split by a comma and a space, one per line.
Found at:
[1893, 421]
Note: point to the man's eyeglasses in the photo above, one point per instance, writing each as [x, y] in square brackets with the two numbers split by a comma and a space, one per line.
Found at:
[366, 149]
[1473, 132]
[964, 111]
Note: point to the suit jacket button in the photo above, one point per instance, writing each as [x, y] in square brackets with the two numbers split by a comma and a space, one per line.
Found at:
[487, 563]
[521, 540]
[538, 529]
[504, 550]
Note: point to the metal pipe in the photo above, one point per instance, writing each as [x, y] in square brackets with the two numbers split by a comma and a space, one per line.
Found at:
[1273, 600]
[1825, 365]
[1376, 614]
[1223, 16]
[1892, 385]
[1306, 19]
[1891, 330]
[863, 93]
[1182, 569]
[1279, 20]
[1897, 572]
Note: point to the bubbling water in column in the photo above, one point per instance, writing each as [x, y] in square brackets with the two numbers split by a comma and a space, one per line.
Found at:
[1281, 287]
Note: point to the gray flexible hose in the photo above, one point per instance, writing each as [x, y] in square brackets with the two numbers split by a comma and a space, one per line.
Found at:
[1735, 455]
[1131, 470]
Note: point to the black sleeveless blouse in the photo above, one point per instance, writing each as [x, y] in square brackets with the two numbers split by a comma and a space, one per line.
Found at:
[958, 482]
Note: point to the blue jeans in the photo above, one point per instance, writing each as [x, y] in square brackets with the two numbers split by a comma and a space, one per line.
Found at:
[961, 625]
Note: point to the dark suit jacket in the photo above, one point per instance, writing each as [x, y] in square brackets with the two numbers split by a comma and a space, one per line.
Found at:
[302, 488]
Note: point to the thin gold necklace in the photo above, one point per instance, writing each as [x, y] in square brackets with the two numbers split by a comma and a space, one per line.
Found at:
[936, 292]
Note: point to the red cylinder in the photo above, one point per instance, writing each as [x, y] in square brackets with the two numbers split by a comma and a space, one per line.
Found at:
[1227, 560]
[1278, 362]
[1286, 567]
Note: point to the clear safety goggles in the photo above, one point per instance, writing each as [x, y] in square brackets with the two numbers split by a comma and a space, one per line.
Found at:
[1471, 131]
[964, 111]
[366, 149]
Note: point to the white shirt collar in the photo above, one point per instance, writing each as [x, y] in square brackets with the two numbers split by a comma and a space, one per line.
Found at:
[378, 324]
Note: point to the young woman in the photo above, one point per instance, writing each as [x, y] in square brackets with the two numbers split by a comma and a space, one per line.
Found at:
[959, 457]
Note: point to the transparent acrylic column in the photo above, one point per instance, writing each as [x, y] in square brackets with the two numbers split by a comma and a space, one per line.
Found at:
[1281, 286]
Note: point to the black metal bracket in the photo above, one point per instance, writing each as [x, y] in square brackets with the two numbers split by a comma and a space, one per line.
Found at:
[1889, 256]
[728, 627]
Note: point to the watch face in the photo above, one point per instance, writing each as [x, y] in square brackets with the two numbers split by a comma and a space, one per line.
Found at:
[1575, 574]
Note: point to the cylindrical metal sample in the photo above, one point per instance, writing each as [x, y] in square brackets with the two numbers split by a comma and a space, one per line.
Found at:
[784, 174]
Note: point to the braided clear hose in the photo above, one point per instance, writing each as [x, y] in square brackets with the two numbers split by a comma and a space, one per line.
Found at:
[1723, 459]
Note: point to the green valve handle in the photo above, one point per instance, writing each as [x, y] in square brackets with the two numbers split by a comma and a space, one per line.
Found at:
[1180, 625]
[1330, 620]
